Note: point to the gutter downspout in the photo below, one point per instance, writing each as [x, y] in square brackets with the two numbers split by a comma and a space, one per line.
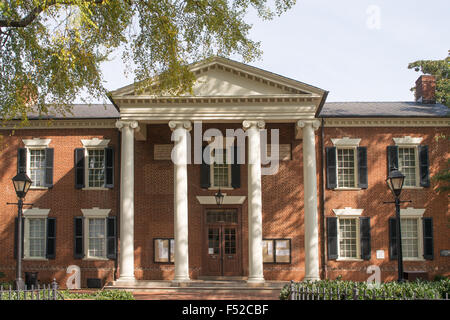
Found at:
[322, 205]
[118, 214]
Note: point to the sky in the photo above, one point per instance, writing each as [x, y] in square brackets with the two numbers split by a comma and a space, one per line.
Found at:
[357, 50]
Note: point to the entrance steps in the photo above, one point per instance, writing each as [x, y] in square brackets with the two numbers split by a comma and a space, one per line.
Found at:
[222, 284]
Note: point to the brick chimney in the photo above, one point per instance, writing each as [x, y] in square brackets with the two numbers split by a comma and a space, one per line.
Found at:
[425, 89]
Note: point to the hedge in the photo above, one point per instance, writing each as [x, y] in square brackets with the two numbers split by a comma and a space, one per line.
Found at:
[384, 291]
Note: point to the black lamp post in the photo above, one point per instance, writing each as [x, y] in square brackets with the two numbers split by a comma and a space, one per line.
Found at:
[219, 198]
[21, 184]
[395, 183]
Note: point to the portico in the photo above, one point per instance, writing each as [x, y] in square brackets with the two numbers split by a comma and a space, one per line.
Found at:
[227, 92]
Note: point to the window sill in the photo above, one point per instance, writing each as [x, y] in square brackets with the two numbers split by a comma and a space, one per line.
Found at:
[349, 259]
[39, 188]
[95, 188]
[412, 188]
[95, 259]
[414, 259]
[347, 189]
[34, 259]
[221, 188]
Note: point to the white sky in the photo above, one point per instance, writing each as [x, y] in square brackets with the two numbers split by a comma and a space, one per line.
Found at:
[342, 47]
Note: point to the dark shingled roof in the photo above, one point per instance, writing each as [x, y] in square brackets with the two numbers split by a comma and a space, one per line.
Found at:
[383, 109]
[83, 111]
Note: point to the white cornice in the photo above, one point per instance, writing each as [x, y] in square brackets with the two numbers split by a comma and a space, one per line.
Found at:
[407, 140]
[61, 124]
[36, 212]
[95, 212]
[226, 199]
[95, 143]
[387, 122]
[348, 211]
[412, 212]
[346, 142]
[36, 143]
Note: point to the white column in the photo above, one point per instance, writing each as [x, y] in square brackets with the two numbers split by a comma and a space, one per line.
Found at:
[310, 199]
[255, 254]
[180, 159]
[126, 256]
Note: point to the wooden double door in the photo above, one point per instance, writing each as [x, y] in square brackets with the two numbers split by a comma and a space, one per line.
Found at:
[223, 249]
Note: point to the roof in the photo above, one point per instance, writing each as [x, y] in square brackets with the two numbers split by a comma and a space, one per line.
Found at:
[83, 111]
[383, 109]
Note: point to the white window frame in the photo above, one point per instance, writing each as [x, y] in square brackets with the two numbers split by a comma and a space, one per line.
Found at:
[347, 143]
[413, 213]
[28, 214]
[34, 144]
[92, 144]
[94, 213]
[349, 213]
[408, 142]
[227, 145]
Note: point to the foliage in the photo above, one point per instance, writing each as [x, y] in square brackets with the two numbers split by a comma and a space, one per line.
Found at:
[51, 50]
[100, 295]
[440, 69]
[443, 178]
[384, 291]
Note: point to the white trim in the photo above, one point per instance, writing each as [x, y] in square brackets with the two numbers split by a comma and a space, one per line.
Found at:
[34, 213]
[95, 143]
[346, 142]
[411, 212]
[226, 199]
[355, 165]
[101, 146]
[348, 212]
[36, 143]
[95, 212]
[407, 141]
[417, 214]
[60, 124]
[358, 237]
[386, 122]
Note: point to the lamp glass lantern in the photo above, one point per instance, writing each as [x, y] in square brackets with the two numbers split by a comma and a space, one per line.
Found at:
[219, 197]
[21, 184]
[395, 182]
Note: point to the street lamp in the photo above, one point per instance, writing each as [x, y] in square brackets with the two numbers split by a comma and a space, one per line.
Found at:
[395, 183]
[219, 197]
[21, 184]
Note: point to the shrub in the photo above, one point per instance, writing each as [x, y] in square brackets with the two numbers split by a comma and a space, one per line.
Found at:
[100, 295]
[385, 291]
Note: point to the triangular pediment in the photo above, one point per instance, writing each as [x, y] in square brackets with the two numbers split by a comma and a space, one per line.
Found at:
[220, 77]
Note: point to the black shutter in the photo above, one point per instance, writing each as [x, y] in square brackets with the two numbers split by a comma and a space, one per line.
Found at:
[362, 168]
[111, 233]
[364, 229]
[16, 226]
[392, 158]
[78, 251]
[424, 166]
[109, 167]
[51, 238]
[235, 170]
[428, 248]
[49, 157]
[21, 160]
[392, 238]
[205, 179]
[79, 168]
[331, 167]
[332, 242]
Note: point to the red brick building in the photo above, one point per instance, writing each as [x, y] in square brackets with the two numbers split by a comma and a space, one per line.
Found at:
[108, 198]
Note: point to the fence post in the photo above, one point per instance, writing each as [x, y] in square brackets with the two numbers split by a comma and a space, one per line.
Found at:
[54, 288]
[355, 293]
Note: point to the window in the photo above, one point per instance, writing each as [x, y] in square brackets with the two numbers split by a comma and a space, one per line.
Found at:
[96, 238]
[163, 249]
[410, 237]
[346, 168]
[37, 167]
[36, 238]
[221, 169]
[277, 250]
[407, 162]
[348, 238]
[96, 168]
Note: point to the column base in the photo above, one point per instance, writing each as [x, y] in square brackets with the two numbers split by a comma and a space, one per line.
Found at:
[126, 280]
[311, 278]
[256, 280]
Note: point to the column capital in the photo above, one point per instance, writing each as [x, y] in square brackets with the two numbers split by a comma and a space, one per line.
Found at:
[132, 124]
[258, 124]
[303, 123]
[180, 124]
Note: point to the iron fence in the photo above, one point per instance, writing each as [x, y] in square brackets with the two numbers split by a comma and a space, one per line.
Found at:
[44, 292]
[300, 292]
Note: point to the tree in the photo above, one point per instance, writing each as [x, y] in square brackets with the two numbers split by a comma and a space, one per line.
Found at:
[441, 70]
[51, 50]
